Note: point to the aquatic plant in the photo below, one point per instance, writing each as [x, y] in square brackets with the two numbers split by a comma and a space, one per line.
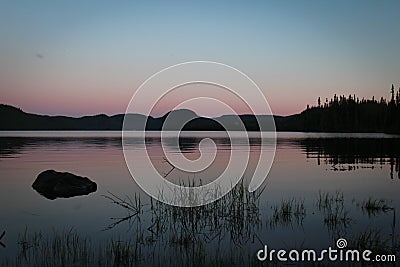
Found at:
[375, 206]
[287, 211]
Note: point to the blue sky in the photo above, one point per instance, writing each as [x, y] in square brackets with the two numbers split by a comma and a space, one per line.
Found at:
[88, 57]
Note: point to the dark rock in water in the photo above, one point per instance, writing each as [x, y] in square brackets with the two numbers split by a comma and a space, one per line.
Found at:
[52, 184]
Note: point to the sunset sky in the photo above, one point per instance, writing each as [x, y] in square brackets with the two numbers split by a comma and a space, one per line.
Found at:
[88, 57]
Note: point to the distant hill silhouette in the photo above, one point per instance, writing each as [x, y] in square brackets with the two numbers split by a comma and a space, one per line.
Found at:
[12, 118]
[339, 114]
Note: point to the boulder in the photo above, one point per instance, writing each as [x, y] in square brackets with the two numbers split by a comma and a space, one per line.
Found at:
[52, 184]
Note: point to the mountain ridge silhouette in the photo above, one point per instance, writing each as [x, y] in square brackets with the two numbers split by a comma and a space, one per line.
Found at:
[14, 118]
[312, 119]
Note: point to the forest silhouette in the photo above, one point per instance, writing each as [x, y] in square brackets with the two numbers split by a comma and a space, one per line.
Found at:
[351, 114]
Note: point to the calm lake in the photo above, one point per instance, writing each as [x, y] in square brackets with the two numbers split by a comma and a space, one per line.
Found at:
[321, 187]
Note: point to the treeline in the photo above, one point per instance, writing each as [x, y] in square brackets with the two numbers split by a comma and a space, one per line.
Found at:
[351, 114]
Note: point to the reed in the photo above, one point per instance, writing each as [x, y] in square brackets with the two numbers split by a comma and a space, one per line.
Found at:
[374, 240]
[223, 233]
[66, 248]
[376, 206]
[287, 211]
[332, 206]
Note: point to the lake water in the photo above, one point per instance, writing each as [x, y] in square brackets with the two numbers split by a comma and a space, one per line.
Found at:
[325, 180]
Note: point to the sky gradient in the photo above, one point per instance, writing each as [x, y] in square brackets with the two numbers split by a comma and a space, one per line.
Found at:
[88, 57]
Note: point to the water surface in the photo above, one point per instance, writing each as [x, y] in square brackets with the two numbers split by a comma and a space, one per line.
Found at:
[354, 167]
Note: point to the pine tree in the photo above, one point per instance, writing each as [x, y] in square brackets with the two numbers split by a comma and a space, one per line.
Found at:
[392, 92]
